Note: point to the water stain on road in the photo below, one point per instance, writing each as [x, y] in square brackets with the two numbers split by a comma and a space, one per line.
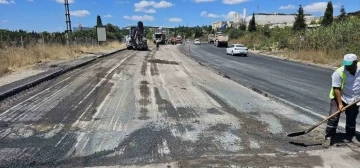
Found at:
[144, 90]
[154, 69]
[214, 111]
[165, 106]
[159, 61]
[145, 93]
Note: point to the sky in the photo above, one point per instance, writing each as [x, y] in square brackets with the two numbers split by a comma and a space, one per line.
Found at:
[49, 15]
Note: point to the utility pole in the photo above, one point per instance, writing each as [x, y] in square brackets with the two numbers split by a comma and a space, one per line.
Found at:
[68, 21]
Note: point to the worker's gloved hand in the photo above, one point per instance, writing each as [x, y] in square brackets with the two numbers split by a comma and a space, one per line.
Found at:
[340, 107]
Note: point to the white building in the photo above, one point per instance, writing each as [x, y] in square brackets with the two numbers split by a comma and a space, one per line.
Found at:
[280, 20]
[218, 24]
[236, 17]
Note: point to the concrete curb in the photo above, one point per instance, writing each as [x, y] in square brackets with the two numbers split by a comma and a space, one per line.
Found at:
[53, 75]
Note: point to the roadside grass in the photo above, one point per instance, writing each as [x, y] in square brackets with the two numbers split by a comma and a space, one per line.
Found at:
[15, 58]
[323, 45]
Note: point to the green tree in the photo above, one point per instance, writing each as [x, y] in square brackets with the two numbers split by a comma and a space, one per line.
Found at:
[328, 15]
[242, 26]
[313, 22]
[252, 24]
[299, 23]
[235, 33]
[342, 15]
[149, 34]
[98, 21]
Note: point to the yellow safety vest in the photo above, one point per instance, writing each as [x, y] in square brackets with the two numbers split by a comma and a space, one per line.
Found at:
[343, 79]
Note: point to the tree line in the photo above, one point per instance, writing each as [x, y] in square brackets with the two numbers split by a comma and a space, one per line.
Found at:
[115, 33]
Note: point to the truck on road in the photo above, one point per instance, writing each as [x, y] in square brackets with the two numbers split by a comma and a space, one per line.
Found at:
[136, 38]
[161, 35]
[211, 38]
[221, 39]
[179, 40]
[172, 40]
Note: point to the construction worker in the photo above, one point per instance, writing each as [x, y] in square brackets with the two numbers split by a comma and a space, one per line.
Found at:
[345, 90]
[158, 44]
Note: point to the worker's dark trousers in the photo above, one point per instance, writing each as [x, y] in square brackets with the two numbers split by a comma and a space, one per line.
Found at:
[351, 114]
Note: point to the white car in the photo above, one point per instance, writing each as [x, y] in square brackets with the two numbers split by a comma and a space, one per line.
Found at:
[237, 49]
[197, 42]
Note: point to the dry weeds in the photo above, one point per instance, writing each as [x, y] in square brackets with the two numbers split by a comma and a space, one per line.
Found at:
[14, 58]
[333, 58]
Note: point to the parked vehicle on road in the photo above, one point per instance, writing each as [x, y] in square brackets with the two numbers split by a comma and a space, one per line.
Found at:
[237, 49]
[197, 42]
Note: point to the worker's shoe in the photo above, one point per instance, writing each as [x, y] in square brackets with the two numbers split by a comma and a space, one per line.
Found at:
[327, 143]
[352, 140]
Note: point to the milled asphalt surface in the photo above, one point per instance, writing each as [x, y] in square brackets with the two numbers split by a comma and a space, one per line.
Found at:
[155, 109]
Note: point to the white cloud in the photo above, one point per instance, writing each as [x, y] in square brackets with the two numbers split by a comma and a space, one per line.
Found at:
[79, 13]
[199, 1]
[151, 10]
[203, 13]
[287, 7]
[163, 4]
[63, 1]
[108, 16]
[30, 0]
[7, 2]
[140, 18]
[211, 15]
[122, 2]
[174, 19]
[317, 7]
[229, 16]
[234, 1]
[142, 5]
[4, 2]
[4, 21]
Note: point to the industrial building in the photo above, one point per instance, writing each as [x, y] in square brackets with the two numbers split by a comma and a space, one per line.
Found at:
[277, 19]
[236, 17]
[219, 24]
[262, 19]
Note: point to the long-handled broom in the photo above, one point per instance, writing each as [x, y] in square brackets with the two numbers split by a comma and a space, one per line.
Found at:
[313, 127]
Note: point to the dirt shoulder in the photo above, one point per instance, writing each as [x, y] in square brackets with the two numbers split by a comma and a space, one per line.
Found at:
[302, 58]
[50, 65]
